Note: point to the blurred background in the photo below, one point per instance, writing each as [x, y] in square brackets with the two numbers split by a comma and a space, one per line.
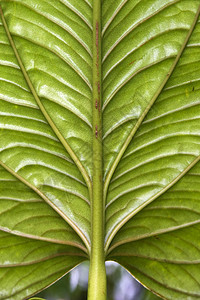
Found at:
[120, 285]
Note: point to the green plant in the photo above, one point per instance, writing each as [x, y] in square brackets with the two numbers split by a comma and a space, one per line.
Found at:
[100, 143]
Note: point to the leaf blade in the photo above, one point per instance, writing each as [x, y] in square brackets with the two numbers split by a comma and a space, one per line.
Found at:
[152, 186]
[50, 188]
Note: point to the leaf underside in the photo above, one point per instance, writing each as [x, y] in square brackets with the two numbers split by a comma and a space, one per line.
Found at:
[151, 142]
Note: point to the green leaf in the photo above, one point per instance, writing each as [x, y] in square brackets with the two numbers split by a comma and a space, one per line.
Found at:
[99, 128]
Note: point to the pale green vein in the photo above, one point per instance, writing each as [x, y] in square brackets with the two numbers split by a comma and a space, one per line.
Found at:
[14, 83]
[88, 3]
[183, 108]
[44, 150]
[119, 195]
[78, 13]
[44, 239]
[135, 49]
[43, 110]
[161, 260]
[69, 191]
[68, 62]
[117, 125]
[23, 129]
[113, 16]
[43, 259]
[47, 200]
[119, 87]
[19, 200]
[143, 115]
[183, 83]
[155, 233]
[15, 115]
[69, 30]
[136, 25]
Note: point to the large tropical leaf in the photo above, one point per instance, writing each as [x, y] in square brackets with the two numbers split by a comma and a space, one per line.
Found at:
[53, 94]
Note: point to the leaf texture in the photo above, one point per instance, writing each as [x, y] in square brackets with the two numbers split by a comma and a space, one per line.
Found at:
[137, 179]
[40, 159]
[150, 138]
[165, 236]
[157, 179]
[41, 185]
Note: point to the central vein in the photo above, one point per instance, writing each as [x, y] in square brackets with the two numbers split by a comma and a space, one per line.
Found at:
[97, 195]
[97, 281]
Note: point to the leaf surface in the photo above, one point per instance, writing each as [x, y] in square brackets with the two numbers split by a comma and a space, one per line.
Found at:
[150, 137]
[44, 196]
[154, 154]
[156, 183]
